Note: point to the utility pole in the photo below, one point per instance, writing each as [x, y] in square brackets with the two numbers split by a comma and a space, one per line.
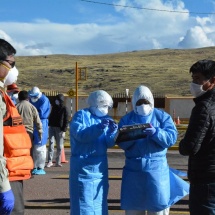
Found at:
[76, 85]
[126, 101]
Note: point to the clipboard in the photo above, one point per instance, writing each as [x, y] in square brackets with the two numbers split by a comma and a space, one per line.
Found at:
[131, 132]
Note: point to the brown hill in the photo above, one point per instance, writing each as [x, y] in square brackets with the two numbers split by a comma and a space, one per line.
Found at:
[164, 71]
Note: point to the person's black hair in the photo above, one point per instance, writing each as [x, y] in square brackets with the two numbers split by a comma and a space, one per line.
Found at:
[23, 95]
[60, 97]
[6, 49]
[205, 67]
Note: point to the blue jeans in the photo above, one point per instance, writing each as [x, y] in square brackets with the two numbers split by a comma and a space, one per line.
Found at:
[202, 199]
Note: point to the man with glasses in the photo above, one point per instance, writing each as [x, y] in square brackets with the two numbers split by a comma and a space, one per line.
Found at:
[13, 130]
[11, 62]
[6, 194]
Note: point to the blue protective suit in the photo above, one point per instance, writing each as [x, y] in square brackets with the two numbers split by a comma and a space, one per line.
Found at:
[43, 107]
[147, 181]
[88, 164]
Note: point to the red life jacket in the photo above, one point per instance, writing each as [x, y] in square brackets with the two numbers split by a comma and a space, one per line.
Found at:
[17, 144]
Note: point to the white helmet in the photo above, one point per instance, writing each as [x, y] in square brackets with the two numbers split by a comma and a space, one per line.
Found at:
[35, 92]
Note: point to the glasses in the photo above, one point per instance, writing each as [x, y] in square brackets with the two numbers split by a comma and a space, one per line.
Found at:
[104, 106]
[142, 101]
[12, 63]
[34, 97]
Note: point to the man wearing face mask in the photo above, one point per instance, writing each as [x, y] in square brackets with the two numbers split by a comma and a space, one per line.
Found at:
[199, 140]
[12, 91]
[43, 106]
[92, 131]
[148, 184]
[58, 122]
[18, 160]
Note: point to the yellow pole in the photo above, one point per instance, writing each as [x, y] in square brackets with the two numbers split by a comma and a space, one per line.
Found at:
[76, 69]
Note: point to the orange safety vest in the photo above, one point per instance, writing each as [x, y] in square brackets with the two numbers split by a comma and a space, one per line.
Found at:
[17, 144]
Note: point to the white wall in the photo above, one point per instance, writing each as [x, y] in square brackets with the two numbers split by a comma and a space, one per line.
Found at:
[181, 106]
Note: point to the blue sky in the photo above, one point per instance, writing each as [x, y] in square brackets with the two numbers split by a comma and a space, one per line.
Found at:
[78, 27]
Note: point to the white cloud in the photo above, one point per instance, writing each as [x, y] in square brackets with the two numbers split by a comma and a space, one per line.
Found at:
[5, 36]
[196, 38]
[139, 30]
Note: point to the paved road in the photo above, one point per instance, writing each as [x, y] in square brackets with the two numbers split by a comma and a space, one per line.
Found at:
[49, 195]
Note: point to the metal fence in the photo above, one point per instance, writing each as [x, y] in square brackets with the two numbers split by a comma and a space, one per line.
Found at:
[51, 95]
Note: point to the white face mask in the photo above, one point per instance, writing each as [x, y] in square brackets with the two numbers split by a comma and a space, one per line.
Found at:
[197, 89]
[34, 100]
[11, 76]
[15, 96]
[100, 111]
[144, 110]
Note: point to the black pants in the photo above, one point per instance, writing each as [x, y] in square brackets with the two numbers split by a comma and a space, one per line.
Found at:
[17, 188]
[31, 137]
[202, 199]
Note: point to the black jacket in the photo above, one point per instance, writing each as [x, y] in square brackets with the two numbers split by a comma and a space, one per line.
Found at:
[199, 140]
[59, 116]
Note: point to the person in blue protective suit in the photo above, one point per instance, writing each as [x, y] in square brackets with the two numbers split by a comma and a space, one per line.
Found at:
[148, 184]
[92, 131]
[43, 106]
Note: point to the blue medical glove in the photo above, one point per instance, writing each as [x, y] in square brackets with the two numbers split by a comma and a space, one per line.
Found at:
[112, 126]
[149, 131]
[6, 202]
[104, 123]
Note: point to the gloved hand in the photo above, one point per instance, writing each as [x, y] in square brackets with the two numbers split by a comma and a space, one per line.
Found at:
[6, 202]
[63, 135]
[104, 123]
[149, 131]
[112, 126]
